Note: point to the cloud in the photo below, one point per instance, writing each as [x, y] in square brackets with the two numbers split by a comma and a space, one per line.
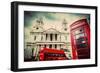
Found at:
[30, 16]
[51, 17]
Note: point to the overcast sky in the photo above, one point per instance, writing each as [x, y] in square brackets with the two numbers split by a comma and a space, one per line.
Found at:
[50, 19]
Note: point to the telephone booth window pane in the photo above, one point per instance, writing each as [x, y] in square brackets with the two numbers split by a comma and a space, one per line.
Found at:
[81, 43]
[78, 41]
[80, 35]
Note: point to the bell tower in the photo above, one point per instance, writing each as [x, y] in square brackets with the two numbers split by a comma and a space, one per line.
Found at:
[64, 25]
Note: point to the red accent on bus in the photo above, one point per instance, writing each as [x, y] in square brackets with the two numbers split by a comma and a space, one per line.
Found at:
[51, 54]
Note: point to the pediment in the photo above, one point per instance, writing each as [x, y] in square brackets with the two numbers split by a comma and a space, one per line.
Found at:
[51, 30]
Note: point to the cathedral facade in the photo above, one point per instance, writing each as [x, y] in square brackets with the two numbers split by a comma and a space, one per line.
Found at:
[50, 38]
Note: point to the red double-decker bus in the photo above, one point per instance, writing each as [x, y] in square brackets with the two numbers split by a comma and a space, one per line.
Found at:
[51, 54]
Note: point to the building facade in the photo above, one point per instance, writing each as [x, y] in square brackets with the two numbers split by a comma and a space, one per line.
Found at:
[50, 38]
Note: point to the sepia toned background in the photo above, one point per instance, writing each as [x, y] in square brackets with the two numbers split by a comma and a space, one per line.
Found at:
[39, 24]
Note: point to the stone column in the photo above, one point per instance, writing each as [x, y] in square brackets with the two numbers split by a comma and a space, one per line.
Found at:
[44, 36]
[57, 46]
[60, 37]
[47, 46]
[53, 37]
[53, 46]
[48, 37]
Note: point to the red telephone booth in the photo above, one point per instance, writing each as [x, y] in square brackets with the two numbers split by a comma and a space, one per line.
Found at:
[80, 39]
